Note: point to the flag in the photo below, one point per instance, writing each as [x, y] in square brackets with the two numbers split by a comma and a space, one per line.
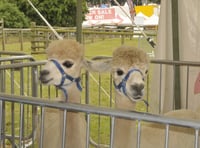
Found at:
[131, 8]
[197, 85]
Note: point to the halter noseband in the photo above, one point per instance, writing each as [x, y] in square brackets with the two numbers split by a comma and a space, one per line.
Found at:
[122, 85]
[64, 77]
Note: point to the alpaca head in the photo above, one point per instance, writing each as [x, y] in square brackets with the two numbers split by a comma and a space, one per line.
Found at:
[129, 66]
[65, 60]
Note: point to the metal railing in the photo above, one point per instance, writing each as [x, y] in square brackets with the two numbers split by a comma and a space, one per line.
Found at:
[19, 76]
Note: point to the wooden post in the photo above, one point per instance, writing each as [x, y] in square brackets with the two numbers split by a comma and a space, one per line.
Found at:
[175, 39]
[33, 34]
[79, 21]
[2, 34]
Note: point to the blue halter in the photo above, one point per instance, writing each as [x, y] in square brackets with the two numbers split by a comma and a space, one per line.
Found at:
[64, 77]
[122, 85]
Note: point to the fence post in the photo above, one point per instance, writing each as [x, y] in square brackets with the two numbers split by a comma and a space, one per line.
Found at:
[21, 39]
[2, 34]
[33, 34]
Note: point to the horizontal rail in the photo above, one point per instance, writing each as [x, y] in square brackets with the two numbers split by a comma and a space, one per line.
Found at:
[171, 62]
[100, 110]
[21, 57]
[20, 65]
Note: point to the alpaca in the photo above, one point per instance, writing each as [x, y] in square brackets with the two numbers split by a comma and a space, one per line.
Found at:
[178, 136]
[65, 60]
[129, 66]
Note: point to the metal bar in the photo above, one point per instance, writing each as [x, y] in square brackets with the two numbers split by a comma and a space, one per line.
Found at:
[12, 58]
[1, 121]
[167, 136]
[42, 127]
[138, 134]
[112, 131]
[176, 55]
[21, 129]
[174, 62]
[88, 131]
[187, 83]
[160, 89]
[196, 138]
[64, 128]
[100, 110]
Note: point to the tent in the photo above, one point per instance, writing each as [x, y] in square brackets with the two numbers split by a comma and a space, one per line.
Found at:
[184, 39]
[115, 16]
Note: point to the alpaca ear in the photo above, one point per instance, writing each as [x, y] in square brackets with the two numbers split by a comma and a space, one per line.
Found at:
[98, 64]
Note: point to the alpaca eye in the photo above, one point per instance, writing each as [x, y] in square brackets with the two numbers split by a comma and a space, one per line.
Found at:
[68, 64]
[146, 72]
[120, 72]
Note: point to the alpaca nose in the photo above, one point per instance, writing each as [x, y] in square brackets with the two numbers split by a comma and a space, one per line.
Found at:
[43, 73]
[138, 88]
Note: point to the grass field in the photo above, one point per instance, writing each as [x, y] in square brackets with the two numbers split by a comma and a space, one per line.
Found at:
[100, 125]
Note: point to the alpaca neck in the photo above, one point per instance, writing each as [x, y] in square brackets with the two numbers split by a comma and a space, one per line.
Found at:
[122, 102]
[124, 129]
[73, 94]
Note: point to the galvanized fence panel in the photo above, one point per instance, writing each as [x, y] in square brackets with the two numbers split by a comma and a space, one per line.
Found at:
[19, 114]
[89, 110]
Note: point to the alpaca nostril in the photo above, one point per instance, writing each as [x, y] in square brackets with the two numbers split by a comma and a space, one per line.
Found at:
[137, 87]
[43, 74]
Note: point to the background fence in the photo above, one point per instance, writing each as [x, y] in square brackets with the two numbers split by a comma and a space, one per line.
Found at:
[41, 36]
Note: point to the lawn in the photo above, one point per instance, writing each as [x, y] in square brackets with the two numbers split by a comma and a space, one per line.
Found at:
[99, 95]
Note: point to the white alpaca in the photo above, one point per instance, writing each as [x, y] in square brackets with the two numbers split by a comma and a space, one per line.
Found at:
[129, 66]
[65, 60]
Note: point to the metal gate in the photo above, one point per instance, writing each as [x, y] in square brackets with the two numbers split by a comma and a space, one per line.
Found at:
[23, 100]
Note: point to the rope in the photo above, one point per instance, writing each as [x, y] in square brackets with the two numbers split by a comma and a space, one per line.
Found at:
[54, 31]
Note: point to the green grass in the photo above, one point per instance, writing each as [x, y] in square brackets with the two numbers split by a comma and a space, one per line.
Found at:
[100, 125]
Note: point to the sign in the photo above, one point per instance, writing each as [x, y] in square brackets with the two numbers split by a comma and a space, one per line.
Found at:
[101, 14]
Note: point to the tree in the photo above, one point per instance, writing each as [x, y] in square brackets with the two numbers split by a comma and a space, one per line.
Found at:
[56, 12]
[13, 17]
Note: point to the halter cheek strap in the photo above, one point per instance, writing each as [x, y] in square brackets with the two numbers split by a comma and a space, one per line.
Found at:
[64, 77]
[122, 85]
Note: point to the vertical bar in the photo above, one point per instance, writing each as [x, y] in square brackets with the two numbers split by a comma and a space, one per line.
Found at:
[1, 121]
[34, 81]
[21, 131]
[187, 83]
[12, 108]
[167, 136]
[99, 116]
[160, 88]
[88, 131]
[196, 145]
[87, 86]
[112, 131]
[138, 134]
[111, 90]
[147, 88]
[64, 128]
[175, 38]
[79, 21]
[21, 39]
[42, 127]
[22, 82]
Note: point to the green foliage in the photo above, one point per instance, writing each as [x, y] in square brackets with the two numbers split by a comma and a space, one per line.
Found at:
[13, 17]
[57, 12]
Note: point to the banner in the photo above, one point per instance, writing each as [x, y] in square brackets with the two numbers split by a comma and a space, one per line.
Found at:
[101, 14]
